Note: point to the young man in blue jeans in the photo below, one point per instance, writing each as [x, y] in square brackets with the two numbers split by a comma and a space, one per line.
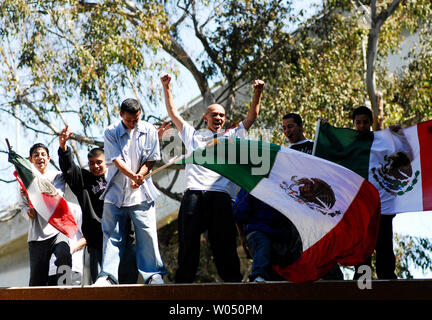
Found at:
[131, 148]
[267, 235]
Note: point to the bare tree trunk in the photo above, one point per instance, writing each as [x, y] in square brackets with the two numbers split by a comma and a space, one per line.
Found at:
[229, 106]
[376, 99]
[370, 73]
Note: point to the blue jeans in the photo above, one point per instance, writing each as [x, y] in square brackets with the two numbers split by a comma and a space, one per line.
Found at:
[114, 219]
[260, 246]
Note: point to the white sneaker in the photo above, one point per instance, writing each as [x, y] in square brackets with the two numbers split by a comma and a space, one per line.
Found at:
[156, 279]
[259, 279]
[102, 282]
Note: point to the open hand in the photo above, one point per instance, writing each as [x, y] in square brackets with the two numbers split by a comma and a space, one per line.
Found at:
[164, 127]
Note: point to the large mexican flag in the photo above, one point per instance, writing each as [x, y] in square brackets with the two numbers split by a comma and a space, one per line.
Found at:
[335, 211]
[43, 196]
[398, 164]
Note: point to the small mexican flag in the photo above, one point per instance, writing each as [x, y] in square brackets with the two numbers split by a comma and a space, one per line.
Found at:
[398, 164]
[43, 196]
[335, 211]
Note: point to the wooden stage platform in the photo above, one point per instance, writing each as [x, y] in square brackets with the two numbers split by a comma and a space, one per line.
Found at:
[420, 290]
[273, 300]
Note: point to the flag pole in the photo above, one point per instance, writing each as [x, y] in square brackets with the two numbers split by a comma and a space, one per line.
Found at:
[317, 128]
[8, 145]
[166, 165]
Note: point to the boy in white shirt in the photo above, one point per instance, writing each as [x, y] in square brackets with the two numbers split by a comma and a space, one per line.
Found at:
[43, 238]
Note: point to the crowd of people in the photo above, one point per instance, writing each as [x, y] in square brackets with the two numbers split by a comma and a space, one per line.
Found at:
[117, 238]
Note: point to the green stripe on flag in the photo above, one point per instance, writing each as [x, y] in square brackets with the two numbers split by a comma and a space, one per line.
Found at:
[23, 168]
[347, 147]
[245, 162]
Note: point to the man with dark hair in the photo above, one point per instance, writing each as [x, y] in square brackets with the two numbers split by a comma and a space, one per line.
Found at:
[88, 185]
[385, 257]
[292, 125]
[207, 201]
[362, 119]
[131, 149]
[43, 239]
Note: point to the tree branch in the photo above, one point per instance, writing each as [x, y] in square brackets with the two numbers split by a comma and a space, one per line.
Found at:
[372, 51]
[82, 139]
[382, 17]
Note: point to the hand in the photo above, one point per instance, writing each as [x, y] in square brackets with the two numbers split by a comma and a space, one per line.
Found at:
[23, 193]
[134, 185]
[166, 79]
[31, 213]
[259, 85]
[395, 128]
[164, 127]
[64, 137]
[323, 121]
[137, 180]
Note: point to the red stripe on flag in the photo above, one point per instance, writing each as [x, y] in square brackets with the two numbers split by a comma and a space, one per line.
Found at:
[424, 133]
[21, 183]
[349, 243]
[62, 218]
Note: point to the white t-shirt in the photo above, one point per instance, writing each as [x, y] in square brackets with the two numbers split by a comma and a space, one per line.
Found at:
[132, 196]
[199, 177]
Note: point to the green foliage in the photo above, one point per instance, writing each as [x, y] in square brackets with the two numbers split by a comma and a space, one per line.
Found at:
[412, 251]
[324, 75]
[61, 52]
[246, 33]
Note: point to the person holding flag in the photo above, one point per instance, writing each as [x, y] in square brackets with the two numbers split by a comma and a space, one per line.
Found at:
[385, 258]
[131, 149]
[207, 201]
[354, 149]
[44, 236]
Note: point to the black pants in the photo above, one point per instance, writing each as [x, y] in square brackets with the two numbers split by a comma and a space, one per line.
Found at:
[40, 254]
[385, 258]
[211, 211]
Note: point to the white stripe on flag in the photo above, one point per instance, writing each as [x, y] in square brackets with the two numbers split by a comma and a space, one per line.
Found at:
[38, 202]
[311, 224]
[386, 143]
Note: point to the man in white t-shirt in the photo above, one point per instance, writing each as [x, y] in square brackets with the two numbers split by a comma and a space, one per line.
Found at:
[292, 126]
[207, 201]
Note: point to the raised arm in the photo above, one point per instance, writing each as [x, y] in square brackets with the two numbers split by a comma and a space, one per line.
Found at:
[255, 106]
[169, 103]
[71, 172]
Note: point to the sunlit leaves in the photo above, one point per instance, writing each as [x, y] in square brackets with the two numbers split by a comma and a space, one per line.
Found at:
[78, 55]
